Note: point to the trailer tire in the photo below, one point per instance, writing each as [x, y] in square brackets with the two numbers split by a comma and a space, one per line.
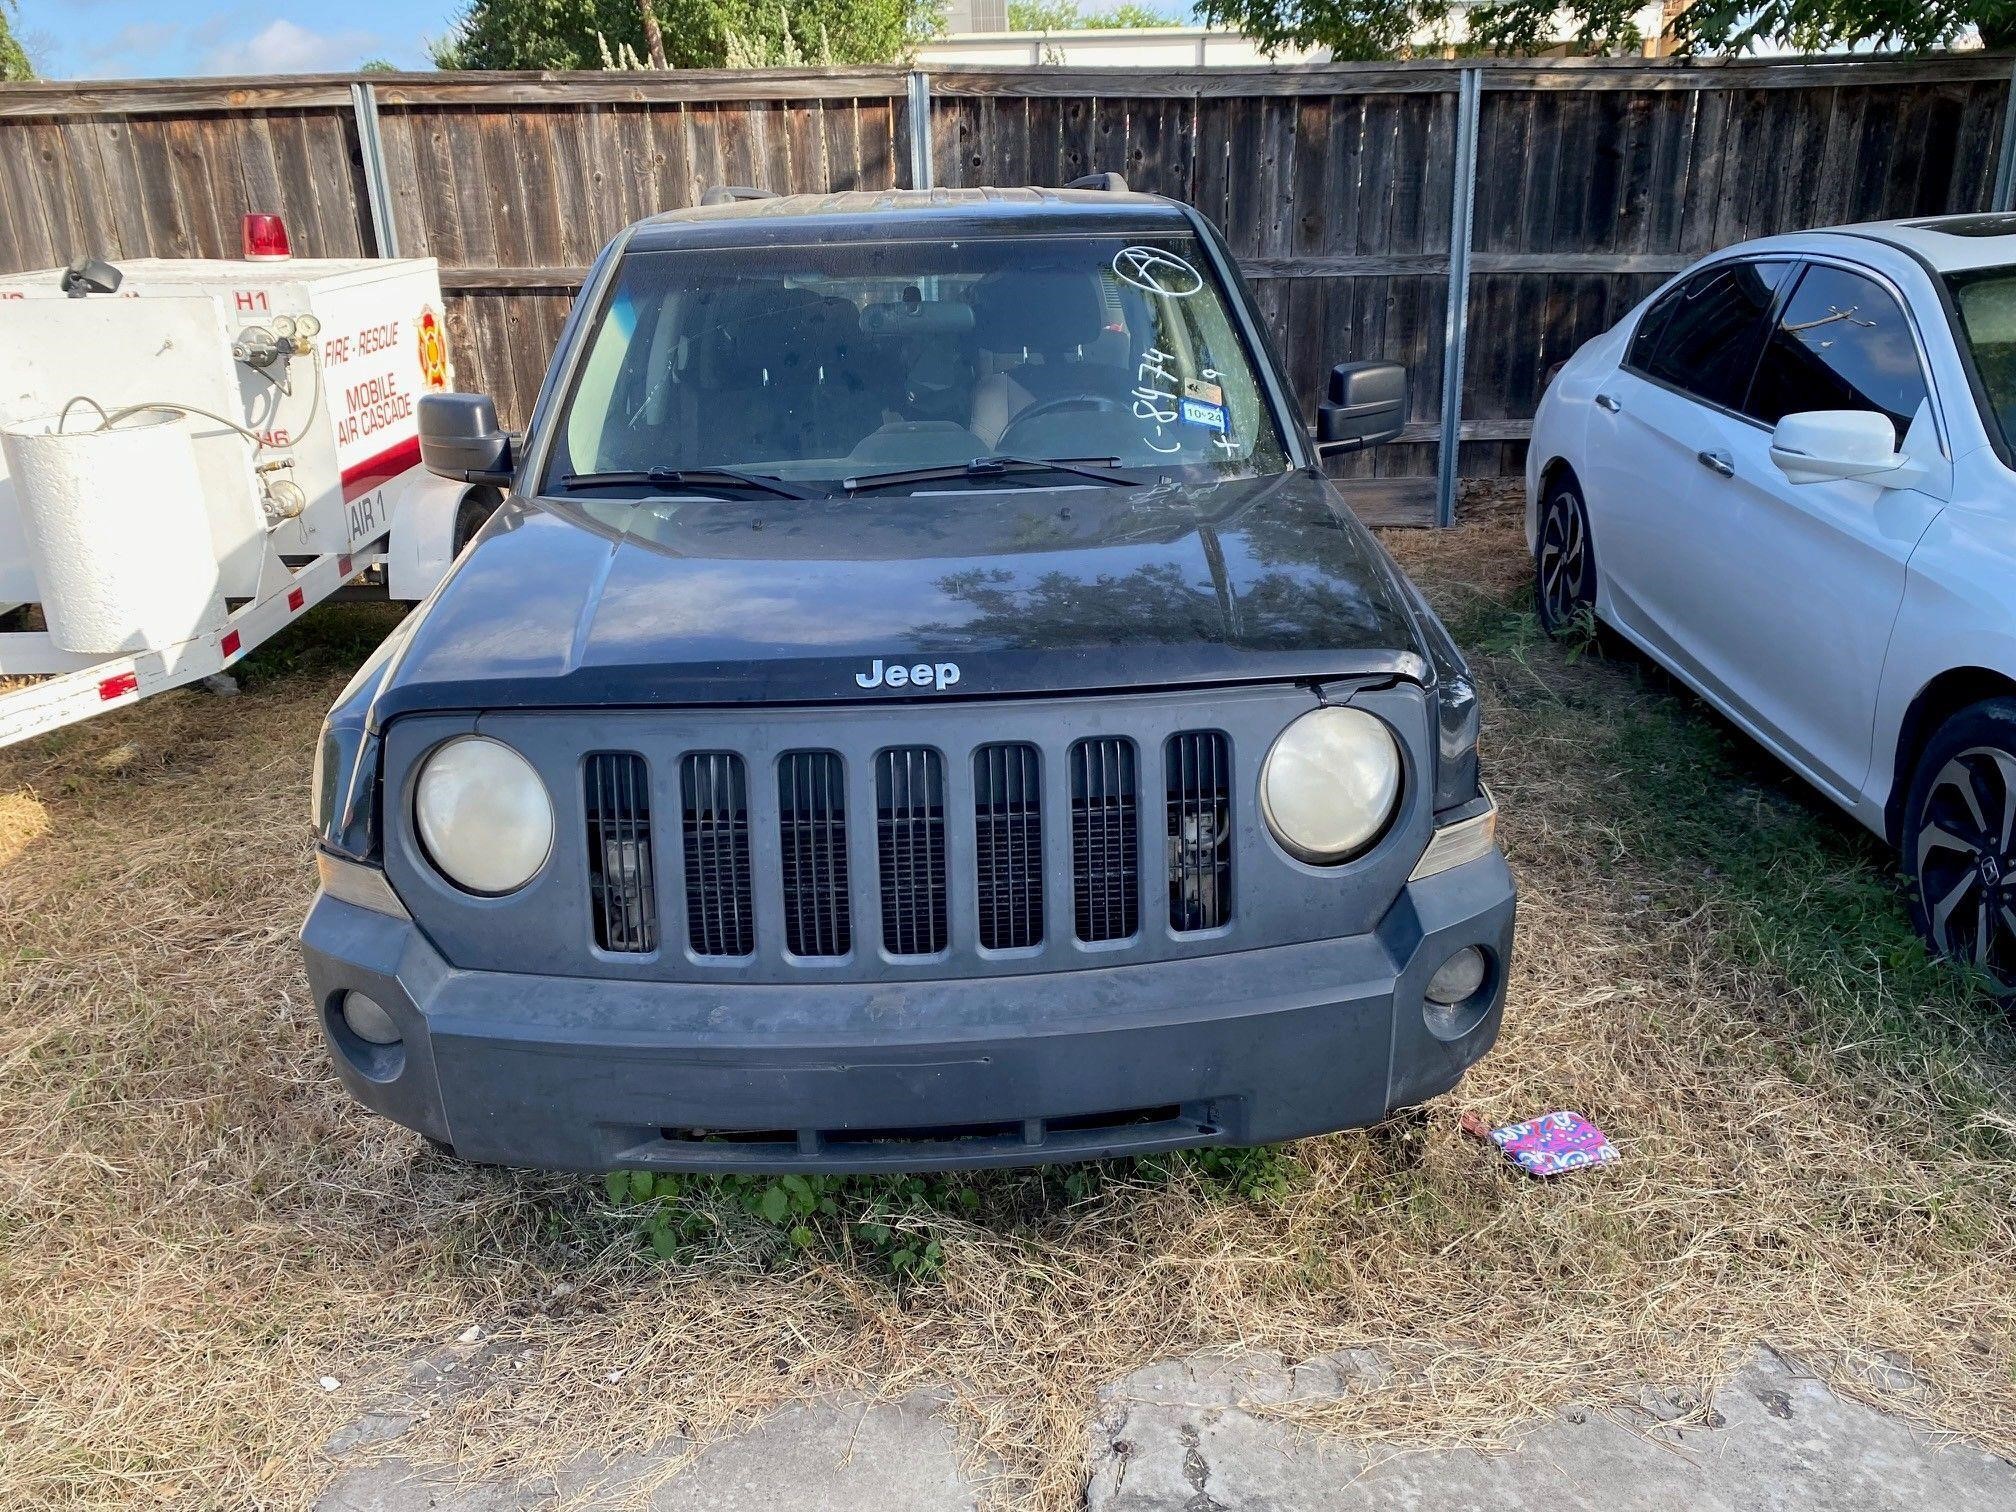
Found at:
[471, 514]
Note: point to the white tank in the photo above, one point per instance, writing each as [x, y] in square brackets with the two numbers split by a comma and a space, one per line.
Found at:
[117, 529]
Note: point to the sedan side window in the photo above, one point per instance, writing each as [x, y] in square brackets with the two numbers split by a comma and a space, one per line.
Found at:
[1703, 336]
[1842, 343]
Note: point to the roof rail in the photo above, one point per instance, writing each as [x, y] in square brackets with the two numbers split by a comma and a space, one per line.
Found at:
[728, 194]
[1112, 183]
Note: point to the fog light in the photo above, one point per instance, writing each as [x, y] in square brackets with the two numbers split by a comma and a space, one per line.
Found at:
[1455, 981]
[371, 1023]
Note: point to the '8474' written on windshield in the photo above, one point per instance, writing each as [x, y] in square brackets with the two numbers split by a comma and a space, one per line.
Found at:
[1164, 399]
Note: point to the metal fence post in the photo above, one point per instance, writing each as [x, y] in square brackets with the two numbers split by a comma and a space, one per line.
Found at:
[1456, 318]
[920, 129]
[364, 101]
[2005, 164]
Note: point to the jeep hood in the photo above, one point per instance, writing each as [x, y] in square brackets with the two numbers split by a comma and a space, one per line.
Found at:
[1029, 590]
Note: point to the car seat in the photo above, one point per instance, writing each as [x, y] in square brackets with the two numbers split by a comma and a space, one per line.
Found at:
[1046, 323]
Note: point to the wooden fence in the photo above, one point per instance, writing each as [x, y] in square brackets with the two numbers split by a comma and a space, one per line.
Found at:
[1534, 202]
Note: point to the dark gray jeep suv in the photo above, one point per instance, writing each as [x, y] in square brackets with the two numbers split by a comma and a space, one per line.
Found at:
[920, 704]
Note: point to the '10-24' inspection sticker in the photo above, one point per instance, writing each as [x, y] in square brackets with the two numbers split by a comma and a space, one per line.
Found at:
[1203, 404]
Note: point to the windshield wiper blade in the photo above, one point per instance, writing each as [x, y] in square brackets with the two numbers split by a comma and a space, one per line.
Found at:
[705, 478]
[1095, 468]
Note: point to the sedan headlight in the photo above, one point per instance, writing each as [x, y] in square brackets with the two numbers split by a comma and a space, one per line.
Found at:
[484, 815]
[1330, 784]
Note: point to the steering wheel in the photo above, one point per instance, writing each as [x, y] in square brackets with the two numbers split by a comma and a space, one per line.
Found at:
[1091, 403]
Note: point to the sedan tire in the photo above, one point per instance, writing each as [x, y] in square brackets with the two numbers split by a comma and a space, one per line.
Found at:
[1959, 841]
[1564, 564]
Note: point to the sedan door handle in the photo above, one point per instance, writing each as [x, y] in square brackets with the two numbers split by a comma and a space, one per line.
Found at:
[1604, 401]
[1718, 462]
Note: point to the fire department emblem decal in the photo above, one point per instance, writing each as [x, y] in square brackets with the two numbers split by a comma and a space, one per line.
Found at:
[433, 350]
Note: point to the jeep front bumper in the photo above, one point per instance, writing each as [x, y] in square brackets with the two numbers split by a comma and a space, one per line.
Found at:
[1244, 1048]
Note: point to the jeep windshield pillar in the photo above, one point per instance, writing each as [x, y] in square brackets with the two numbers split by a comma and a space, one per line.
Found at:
[921, 704]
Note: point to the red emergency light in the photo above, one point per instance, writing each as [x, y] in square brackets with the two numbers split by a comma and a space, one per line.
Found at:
[266, 238]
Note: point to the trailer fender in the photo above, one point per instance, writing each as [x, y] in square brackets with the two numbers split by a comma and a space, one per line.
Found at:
[432, 520]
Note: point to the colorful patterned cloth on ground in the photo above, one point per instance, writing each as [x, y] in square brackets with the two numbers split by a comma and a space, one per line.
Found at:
[1554, 1143]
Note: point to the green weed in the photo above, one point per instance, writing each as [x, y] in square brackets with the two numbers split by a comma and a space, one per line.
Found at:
[888, 1223]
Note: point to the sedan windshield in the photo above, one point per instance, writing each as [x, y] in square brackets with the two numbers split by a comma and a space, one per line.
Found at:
[1986, 301]
[844, 367]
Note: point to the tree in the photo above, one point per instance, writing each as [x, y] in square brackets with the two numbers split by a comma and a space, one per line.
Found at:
[654, 39]
[377, 65]
[695, 33]
[1817, 25]
[1069, 15]
[1384, 28]
[14, 65]
[1353, 30]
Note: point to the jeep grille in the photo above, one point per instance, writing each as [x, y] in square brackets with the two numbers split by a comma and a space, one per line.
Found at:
[1008, 845]
[910, 826]
[624, 898]
[958, 840]
[1199, 764]
[1105, 840]
[812, 835]
[714, 801]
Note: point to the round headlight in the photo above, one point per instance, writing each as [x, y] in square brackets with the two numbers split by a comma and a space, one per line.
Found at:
[484, 815]
[1330, 784]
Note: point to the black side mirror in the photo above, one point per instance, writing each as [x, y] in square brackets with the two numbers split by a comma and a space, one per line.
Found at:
[1367, 406]
[459, 439]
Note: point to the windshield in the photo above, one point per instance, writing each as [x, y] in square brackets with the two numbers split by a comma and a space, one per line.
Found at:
[1987, 304]
[828, 365]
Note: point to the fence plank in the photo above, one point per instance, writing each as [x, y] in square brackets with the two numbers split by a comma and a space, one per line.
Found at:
[1598, 178]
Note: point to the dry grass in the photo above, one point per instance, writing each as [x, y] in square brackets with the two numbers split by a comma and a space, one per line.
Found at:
[196, 1227]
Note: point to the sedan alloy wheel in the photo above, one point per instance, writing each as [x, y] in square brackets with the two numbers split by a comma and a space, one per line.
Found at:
[1565, 578]
[1966, 860]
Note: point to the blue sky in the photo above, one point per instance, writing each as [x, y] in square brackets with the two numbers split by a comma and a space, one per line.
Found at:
[126, 39]
[152, 39]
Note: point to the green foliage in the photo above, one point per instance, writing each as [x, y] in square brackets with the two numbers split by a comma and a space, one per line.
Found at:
[697, 33]
[898, 1226]
[1257, 1173]
[1816, 25]
[377, 65]
[1069, 15]
[14, 65]
[1382, 28]
[1351, 29]
[329, 641]
[1521, 27]
[884, 1222]
[1582, 635]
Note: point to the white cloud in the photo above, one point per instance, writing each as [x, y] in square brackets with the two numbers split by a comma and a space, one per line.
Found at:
[283, 47]
[130, 51]
[229, 42]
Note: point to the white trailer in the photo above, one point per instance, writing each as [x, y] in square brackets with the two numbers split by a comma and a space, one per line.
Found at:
[193, 458]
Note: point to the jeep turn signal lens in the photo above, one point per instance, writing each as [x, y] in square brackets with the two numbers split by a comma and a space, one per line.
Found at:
[484, 816]
[1454, 845]
[1331, 784]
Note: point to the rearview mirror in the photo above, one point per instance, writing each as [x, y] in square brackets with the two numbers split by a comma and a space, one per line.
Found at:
[459, 439]
[1822, 446]
[1367, 406]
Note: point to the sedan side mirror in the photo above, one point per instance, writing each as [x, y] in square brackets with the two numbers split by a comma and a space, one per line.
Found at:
[459, 439]
[1367, 406]
[1822, 446]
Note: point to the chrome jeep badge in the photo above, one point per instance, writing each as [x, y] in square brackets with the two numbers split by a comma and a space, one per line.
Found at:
[934, 675]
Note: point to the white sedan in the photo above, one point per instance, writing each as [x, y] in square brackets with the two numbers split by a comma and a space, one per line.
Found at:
[1787, 477]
